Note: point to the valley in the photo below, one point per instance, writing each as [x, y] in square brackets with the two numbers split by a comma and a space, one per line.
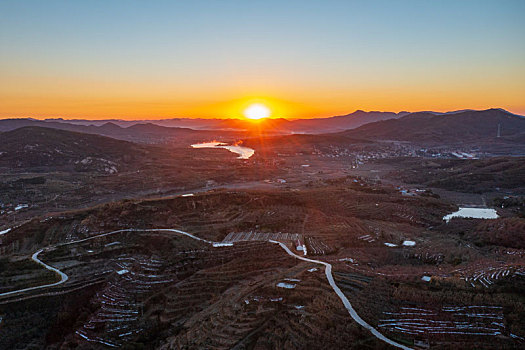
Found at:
[311, 240]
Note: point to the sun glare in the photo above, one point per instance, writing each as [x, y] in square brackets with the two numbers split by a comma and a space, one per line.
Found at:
[257, 111]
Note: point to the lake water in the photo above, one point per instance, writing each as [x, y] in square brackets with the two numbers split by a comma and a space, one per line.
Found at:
[475, 213]
[409, 243]
[243, 152]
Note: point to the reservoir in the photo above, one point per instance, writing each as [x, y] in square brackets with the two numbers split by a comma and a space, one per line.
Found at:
[243, 152]
[475, 213]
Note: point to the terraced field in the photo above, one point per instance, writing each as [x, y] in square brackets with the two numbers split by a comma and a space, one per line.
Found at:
[485, 277]
[225, 286]
[474, 320]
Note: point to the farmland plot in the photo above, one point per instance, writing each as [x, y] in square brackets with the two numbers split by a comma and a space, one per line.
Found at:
[474, 320]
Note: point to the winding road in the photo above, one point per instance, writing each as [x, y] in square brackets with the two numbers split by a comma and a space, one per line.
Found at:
[344, 299]
[328, 273]
[34, 257]
[64, 277]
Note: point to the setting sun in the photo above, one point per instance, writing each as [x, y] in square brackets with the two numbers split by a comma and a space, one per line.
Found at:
[257, 111]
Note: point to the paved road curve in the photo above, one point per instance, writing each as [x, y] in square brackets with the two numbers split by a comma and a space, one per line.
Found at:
[64, 277]
[328, 272]
[34, 257]
[344, 299]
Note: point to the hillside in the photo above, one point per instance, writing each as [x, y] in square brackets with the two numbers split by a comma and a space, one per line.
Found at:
[314, 125]
[342, 122]
[43, 147]
[47, 169]
[464, 175]
[163, 289]
[426, 127]
[167, 129]
[420, 126]
[140, 132]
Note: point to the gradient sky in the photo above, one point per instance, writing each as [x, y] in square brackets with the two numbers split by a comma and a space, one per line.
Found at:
[162, 59]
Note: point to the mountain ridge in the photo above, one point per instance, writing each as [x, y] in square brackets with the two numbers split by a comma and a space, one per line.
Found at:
[358, 122]
[457, 127]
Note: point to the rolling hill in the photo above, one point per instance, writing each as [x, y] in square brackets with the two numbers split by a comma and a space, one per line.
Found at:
[464, 126]
[188, 127]
[32, 146]
[141, 132]
[463, 175]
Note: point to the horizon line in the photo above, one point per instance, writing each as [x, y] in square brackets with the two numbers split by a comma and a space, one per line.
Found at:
[123, 119]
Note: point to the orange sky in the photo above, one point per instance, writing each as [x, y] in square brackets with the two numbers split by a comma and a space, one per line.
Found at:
[302, 59]
[86, 98]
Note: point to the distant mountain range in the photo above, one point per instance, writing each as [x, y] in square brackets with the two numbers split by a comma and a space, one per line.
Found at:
[273, 126]
[461, 126]
[32, 143]
[139, 132]
[280, 125]
[186, 130]
[421, 127]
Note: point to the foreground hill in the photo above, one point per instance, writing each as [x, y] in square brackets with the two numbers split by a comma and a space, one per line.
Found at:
[426, 127]
[391, 256]
[44, 169]
[44, 147]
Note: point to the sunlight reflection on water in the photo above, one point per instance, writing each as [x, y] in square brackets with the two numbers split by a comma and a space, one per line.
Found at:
[243, 152]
